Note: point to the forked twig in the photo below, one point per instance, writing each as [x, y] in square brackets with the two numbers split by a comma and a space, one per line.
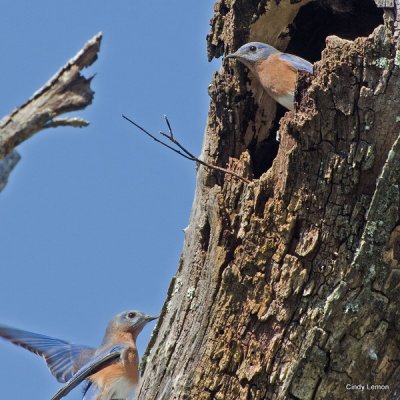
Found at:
[183, 151]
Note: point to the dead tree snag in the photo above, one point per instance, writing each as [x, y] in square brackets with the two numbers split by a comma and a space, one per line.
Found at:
[287, 287]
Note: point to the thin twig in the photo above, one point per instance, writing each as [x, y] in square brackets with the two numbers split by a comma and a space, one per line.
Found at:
[174, 141]
[184, 153]
[169, 126]
[154, 138]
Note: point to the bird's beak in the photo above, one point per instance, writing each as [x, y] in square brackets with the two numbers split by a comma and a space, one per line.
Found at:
[149, 318]
[233, 55]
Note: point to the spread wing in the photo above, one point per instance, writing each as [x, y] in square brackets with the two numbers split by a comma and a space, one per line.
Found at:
[297, 63]
[63, 359]
[94, 365]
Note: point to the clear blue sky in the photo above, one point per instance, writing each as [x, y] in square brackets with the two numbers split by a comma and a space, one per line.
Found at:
[92, 219]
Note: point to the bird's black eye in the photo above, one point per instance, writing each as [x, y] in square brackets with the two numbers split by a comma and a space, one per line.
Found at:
[131, 315]
[253, 48]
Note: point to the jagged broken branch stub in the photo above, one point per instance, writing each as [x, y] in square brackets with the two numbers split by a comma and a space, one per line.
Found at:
[68, 90]
[183, 152]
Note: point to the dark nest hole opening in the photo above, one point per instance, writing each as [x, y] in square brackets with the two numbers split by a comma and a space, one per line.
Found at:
[263, 153]
[347, 19]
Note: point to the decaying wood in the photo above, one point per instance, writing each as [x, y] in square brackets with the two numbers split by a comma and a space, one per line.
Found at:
[67, 91]
[289, 287]
[7, 165]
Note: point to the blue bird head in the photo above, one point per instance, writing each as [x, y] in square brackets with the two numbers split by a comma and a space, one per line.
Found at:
[131, 321]
[251, 53]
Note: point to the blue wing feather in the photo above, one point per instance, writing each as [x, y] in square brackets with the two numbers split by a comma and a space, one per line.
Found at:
[298, 63]
[95, 364]
[91, 392]
[63, 359]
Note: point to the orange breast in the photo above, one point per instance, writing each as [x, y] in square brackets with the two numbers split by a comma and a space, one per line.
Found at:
[276, 76]
[128, 368]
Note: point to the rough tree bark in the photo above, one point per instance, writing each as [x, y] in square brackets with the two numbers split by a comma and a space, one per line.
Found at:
[289, 287]
[66, 91]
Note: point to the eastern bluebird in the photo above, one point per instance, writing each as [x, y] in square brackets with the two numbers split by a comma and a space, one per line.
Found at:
[111, 372]
[276, 71]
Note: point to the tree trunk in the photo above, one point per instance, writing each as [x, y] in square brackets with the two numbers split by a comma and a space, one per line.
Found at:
[289, 287]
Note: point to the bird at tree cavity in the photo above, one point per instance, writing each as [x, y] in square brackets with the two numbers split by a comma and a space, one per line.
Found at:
[110, 372]
[276, 71]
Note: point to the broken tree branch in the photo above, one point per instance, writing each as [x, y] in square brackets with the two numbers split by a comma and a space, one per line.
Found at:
[184, 152]
[75, 122]
[66, 91]
[7, 164]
